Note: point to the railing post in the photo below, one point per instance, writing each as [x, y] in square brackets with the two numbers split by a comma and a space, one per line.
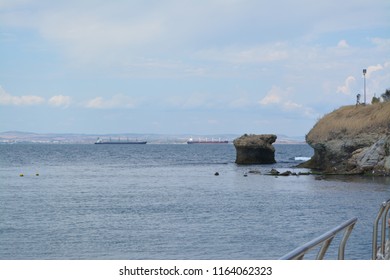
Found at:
[382, 215]
[343, 242]
[324, 248]
[325, 241]
[375, 232]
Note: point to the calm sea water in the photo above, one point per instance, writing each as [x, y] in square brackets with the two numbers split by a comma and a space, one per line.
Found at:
[164, 202]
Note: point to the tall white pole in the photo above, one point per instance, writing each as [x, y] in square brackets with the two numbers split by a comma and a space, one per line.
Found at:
[364, 74]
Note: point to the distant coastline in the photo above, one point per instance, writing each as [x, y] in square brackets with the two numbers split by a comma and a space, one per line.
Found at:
[13, 137]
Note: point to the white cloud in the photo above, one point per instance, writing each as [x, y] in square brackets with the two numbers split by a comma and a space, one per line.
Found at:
[343, 44]
[372, 69]
[290, 105]
[275, 96]
[97, 103]
[25, 100]
[117, 101]
[271, 98]
[282, 99]
[60, 101]
[378, 77]
[348, 84]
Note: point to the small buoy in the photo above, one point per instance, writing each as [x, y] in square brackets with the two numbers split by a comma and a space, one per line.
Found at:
[21, 175]
[216, 173]
[245, 175]
[36, 174]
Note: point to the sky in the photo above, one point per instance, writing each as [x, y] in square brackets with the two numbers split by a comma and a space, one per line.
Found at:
[187, 67]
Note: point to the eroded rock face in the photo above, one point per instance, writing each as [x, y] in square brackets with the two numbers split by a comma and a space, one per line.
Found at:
[352, 140]
[367, 153]
[373, 159]
[255, 149]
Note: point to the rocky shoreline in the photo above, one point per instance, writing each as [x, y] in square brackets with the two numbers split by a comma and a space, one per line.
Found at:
[352, 140]
[349, 149]
[363, 155]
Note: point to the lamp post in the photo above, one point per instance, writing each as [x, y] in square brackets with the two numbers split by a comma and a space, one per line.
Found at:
[364, 75]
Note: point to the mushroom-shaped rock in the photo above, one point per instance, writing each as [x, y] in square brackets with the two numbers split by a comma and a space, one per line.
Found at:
[255, 149]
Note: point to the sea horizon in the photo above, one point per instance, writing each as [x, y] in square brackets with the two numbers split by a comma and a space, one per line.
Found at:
[15, 136]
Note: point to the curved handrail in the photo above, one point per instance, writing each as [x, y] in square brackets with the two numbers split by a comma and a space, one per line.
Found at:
[324, 239]
[382, 214]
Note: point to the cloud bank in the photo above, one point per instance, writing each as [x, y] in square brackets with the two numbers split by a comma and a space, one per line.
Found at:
[25, 100]
[191, 60]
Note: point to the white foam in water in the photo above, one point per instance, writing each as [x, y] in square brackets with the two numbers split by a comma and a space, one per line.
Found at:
[302, 158]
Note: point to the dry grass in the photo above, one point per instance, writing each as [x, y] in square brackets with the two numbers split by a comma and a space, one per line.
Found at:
[351, 121]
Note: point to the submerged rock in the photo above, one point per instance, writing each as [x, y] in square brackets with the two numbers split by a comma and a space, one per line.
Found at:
[255, 149]
[286, 173]
[274, 172]
[254, 172]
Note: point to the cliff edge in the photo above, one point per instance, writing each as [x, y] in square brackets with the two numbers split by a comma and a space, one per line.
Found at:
[352, 140]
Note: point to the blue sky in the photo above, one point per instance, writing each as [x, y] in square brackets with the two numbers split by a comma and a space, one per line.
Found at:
[188, 67]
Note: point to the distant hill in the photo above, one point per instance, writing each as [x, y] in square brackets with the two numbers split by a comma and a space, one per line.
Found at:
[50, 138]
[73, 138]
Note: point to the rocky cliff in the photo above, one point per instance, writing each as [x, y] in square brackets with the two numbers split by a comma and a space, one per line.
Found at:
[255, 149]
[352, 140]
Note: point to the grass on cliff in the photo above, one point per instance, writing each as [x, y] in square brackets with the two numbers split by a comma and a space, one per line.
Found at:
[351, 121]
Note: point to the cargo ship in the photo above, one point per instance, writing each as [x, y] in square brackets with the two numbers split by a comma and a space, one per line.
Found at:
[206, 141]
[119, 141]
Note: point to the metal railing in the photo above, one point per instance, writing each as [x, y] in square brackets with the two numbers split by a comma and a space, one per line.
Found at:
[378, 251]
[324, 240]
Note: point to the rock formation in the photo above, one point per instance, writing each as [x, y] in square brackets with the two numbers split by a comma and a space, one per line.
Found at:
[352, 140]
[255, 149]
[374, 159]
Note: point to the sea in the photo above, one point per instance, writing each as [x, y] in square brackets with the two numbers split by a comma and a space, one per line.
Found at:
[173, 202]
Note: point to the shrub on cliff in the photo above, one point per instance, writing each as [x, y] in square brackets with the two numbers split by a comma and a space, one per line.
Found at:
[375, 100]
[386, 95]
